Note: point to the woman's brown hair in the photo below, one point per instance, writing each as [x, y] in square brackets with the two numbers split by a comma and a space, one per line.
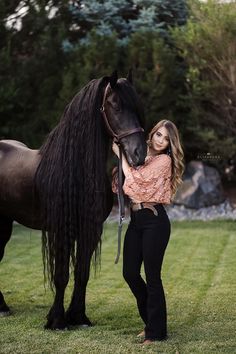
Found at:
[174, 150]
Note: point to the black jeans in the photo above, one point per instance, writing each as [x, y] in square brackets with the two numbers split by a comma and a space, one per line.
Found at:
[145, 241]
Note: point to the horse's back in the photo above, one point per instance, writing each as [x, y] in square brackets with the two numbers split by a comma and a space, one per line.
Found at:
[12, 143]
[18, 165]
[17, 158]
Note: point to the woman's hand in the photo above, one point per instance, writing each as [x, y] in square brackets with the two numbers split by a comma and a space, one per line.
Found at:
[115, 149]
[125, 165]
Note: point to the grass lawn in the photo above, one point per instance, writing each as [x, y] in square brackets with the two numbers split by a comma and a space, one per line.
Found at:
[199, 280]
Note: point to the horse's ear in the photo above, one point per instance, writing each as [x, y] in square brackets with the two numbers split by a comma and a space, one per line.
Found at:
[130, 76]
[113, 79]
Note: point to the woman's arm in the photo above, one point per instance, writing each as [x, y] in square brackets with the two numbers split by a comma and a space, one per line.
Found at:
[125, 165]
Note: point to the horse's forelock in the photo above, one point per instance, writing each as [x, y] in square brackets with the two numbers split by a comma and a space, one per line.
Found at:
[130, 99]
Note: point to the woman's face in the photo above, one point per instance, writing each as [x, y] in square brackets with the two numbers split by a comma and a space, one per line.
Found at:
[160, 140]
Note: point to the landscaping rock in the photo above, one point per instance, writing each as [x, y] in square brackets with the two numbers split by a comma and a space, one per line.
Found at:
[201, 187]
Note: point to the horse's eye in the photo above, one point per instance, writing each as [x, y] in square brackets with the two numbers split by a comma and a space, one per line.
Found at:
[114, 103]
[116, 106]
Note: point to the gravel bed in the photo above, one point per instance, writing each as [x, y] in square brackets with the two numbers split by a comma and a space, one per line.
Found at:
[179, 212]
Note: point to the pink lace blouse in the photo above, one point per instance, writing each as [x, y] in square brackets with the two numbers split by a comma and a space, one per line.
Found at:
[150, 182]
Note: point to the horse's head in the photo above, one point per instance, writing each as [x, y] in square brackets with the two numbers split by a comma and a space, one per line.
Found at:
[122, 112]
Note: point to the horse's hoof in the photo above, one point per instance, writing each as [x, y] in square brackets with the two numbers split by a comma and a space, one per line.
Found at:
[5, 313]
[86, 323]
[80, 320]
[56, 325]
[85, 326]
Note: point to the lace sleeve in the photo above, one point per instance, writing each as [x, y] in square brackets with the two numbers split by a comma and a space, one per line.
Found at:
[149, 181]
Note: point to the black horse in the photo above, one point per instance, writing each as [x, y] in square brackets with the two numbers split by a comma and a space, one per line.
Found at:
[63, 188]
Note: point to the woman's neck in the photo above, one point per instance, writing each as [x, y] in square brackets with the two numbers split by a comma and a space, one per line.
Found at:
[151, 152]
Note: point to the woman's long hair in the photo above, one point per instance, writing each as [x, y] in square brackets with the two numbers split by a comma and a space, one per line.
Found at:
[174, 150]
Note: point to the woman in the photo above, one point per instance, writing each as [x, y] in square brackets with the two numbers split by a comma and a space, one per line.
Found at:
[149, 187]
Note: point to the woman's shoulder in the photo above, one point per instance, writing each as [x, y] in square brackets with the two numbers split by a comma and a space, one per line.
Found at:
[161, 158]
[164, 156]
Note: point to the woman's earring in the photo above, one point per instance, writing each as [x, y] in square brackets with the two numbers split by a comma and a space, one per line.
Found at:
[169, 151]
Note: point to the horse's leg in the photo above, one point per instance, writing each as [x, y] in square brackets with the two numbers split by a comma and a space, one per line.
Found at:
[75, 315]
[56, 315]
[5, 234]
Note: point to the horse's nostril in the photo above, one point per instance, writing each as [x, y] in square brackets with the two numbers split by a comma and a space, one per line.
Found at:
[138, 158]
[135, 156]
[136, 153]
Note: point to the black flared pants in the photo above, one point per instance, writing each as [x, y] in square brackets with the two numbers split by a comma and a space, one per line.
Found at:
[145, 241]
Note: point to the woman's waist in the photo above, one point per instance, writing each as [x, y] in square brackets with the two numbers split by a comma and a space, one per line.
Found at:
[157, 199]
[154, 206]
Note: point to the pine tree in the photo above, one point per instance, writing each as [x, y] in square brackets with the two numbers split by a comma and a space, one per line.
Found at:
[125, 17]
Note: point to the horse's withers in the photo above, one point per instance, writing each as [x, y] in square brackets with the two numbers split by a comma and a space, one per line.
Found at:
[18, 165]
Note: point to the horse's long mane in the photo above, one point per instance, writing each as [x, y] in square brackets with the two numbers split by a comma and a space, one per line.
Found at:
[71, 181]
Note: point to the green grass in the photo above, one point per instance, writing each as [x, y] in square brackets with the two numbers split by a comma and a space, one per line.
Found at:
[199, 280]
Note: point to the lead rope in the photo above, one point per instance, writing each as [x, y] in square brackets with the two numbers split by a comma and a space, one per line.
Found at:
[120, 203]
